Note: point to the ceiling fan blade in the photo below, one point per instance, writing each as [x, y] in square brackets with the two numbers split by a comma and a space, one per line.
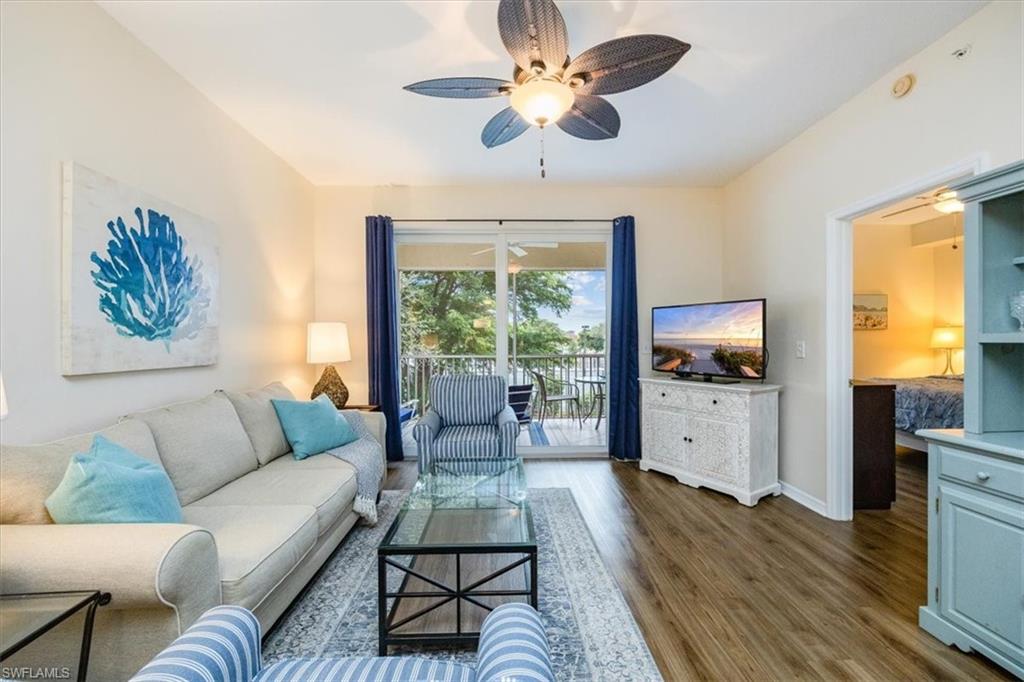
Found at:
[460, 88]
[517, 250]
[591, 118]
[506, 125]
[624, 63]
[483, 251]
[539, 245]
[533, 31]
[905, 210]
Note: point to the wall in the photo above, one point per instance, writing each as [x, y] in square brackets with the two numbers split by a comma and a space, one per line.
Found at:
[776, 211]
[76, 86]
[924, 285]
[679, 242]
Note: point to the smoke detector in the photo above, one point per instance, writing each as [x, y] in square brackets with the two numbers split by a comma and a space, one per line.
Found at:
[903, 85]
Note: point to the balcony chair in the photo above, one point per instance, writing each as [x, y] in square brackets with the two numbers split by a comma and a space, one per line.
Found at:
[468, 418]
[571, 396]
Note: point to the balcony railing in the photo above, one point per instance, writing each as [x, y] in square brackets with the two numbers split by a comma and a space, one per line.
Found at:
[559, 371]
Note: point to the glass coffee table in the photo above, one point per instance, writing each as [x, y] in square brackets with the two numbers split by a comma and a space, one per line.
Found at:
[463, 543]
[24, 618]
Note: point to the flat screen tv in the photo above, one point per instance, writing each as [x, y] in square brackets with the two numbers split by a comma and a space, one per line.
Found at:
[724, 339]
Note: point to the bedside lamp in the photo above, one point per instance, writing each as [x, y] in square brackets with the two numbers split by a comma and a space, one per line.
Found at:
[948, 339]
[327, 343]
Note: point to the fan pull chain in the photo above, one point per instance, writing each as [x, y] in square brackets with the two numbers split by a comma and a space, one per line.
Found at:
[543, 172]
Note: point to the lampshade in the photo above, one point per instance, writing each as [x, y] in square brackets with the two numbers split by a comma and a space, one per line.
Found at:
[3, 398]
[948, 337]
[327, 342]
[541, 102]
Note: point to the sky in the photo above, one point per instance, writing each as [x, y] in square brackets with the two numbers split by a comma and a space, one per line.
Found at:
[714, 321]
[588, 301]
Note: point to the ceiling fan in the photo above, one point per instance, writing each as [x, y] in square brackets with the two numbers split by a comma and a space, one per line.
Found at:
[518, 250]
[549, 87]
[943, 200]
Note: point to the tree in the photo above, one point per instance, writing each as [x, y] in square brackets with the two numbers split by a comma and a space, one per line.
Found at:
[452, 312]
[591, 339]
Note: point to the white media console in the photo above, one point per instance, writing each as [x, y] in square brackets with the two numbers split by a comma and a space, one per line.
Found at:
[719, 436]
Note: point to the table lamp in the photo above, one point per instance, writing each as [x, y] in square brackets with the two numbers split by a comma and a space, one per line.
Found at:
[948, 339]
[327, 343]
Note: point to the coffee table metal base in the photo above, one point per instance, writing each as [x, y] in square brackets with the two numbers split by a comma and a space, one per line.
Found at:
[459, 593]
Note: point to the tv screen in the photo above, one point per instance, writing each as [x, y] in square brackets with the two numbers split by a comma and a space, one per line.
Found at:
[712, 339]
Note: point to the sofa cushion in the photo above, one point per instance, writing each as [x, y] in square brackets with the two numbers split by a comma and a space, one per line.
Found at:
[260, 420]
[462, 442]
[258, 546]
[202, 445]
[464, 400]
[313, 426]
[111, 484]
[31, 472]
[330, 491]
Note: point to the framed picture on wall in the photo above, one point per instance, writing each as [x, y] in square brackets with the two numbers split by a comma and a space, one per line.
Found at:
[870, 312]
[141, 279]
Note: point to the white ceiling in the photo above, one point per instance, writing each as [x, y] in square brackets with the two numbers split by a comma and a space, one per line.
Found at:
[320, 83]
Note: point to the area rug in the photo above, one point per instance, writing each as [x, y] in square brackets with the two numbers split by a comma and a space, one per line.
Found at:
[590, 629]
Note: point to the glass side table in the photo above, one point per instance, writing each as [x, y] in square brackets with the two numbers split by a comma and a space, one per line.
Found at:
[24, 618]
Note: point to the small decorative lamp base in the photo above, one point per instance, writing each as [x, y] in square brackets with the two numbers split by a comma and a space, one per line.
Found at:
[332, 386]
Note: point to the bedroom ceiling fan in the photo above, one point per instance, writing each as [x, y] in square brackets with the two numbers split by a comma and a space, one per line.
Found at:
[549, 87]
[518, 250]
[943, 200]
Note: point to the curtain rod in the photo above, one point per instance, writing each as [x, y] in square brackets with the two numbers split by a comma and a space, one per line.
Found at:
[503, 220]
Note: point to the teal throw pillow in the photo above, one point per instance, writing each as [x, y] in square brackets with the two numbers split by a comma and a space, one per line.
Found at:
[313, 426]
[111, 484]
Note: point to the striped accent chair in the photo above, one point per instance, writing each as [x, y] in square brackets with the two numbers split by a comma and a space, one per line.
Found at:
[469, 418]
[224, 646]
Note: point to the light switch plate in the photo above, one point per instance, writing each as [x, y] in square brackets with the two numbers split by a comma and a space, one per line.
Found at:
[801, 349]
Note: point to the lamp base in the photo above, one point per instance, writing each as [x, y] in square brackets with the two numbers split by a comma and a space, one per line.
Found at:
[332, 386]
[949, 362]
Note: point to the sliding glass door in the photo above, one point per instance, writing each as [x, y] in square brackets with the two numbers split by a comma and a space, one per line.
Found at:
[541, 323]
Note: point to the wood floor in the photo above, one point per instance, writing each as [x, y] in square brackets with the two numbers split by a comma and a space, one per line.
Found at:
[723, 592]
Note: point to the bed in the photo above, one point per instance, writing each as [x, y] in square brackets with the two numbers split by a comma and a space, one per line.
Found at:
[932, 402]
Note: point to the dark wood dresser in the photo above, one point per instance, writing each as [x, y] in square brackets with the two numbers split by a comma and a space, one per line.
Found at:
[874, 445]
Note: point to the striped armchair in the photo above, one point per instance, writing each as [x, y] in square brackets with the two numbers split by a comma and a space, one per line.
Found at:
[469, 418]
[224, 646]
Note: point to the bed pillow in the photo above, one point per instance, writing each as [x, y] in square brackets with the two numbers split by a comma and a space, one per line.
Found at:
[111, 484]
[313, 426]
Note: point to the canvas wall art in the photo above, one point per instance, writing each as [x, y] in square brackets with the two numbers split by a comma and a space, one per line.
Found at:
[870, 312]
[140, 279]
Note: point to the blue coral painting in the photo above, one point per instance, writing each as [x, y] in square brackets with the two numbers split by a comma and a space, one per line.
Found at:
[140, 279]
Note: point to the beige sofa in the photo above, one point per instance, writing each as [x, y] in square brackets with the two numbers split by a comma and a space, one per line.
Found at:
[258, 525]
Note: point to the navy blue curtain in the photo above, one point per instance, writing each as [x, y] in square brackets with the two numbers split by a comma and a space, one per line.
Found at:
[623, 355]
[382, 326]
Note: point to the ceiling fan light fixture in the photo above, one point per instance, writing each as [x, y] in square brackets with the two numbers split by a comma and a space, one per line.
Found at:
[948, 203]
[541, 101]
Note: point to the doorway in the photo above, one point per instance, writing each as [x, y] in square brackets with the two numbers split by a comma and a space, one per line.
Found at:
[531, 305]
[839, 326]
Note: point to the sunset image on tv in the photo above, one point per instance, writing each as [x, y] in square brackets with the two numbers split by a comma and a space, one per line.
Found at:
[713, 338]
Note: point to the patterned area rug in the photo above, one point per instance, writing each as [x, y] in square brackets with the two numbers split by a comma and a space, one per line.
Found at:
[590, 629]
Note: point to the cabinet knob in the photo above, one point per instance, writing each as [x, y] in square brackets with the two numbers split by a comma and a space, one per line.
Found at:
[983, 476]
[662, 395]
[714, 401]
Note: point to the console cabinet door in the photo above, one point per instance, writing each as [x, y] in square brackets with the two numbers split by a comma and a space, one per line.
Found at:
[981, 567]
[663, 436]
[714, 449]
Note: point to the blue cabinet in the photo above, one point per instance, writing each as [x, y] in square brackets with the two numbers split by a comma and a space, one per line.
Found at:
[976, 544]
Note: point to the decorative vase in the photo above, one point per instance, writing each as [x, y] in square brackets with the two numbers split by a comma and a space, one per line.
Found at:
[1017, 308]
[332, 386]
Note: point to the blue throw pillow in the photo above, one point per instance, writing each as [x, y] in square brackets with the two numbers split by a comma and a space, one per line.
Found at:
[313, 426]
[111, 484]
